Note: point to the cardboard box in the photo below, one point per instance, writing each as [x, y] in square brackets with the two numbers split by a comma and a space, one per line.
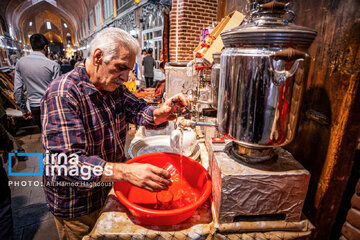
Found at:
[214, 41]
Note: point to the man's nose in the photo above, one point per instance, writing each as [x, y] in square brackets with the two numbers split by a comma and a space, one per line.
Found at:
[124, 75]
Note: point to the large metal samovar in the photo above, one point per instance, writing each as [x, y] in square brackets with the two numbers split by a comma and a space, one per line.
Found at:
[263, 69]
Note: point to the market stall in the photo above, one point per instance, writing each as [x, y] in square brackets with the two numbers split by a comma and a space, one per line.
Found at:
[244, 107]
[116, 222]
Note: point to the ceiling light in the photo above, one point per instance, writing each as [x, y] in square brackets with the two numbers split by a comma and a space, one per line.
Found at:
[65, 25]
[30, 24]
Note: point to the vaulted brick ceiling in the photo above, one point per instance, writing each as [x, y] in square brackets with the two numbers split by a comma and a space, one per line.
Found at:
[71, 12]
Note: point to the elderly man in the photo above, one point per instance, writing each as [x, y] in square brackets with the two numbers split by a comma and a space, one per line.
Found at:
[84, 113]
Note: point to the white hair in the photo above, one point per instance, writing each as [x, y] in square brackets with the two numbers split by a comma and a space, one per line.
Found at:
[110, 39]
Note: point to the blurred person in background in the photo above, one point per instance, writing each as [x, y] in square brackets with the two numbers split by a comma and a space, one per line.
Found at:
[72, 61]
[66, 66]
[131, 83]
[160, 85]
[14, 58]
[149, 64]
[35, 71]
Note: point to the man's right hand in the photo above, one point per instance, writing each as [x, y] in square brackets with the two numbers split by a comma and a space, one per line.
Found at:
[27, 115]
[146, 176]
[142, 175]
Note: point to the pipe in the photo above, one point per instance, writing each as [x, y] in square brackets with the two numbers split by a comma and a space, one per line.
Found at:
[203, 124]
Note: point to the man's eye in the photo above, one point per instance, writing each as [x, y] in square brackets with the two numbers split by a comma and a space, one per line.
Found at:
[121, 68]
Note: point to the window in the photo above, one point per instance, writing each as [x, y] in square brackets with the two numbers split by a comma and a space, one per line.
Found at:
[91, 21]
[11, 31]
[109, 8]
[98, 14]
[48, 25]
[158, 33]
[86, 28]
[30, 24]
[65, 25]
[121, 3]
[152, 38]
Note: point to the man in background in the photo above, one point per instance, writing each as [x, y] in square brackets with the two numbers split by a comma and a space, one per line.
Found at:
[149, 64]
[36, 71]
[72, 61]
[65, 66]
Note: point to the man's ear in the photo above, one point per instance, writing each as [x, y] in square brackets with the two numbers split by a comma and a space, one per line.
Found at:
[45, 47]
[97, 57]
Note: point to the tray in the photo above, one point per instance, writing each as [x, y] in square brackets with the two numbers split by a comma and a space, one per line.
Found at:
[160, 143]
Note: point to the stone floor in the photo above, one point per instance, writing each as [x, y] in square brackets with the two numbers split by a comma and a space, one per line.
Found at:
[32, 219]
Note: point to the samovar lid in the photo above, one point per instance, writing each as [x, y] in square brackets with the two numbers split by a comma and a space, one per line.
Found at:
[271, 25]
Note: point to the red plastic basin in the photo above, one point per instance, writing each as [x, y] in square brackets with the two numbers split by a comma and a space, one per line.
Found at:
[197, 181]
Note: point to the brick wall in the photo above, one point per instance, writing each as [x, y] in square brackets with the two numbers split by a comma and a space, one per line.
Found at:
[187, 19]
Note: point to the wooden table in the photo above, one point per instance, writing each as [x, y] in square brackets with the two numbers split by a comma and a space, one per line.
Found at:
[115, 222]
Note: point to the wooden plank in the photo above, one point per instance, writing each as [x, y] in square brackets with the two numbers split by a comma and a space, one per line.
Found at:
[350, 232]
[357, 189]
[353, 217]
[222, 6]
[355, 201]
[8, 80]
[338, 162]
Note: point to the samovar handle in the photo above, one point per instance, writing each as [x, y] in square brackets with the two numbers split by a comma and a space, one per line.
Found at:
[289, 54]
[279, 76]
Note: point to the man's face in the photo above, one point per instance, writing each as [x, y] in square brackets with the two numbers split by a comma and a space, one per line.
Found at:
[111, 75]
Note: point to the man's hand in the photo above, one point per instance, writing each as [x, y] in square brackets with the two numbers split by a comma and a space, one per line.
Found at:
[141, 175]
[27, 115]
[147, 176]
[166, 112]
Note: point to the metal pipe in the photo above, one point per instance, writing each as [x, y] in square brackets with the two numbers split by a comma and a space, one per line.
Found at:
[202, 102]
[192, 123]
[203, 124]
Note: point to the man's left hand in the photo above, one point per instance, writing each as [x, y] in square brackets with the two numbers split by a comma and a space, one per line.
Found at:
[166, 112]
[27, 115]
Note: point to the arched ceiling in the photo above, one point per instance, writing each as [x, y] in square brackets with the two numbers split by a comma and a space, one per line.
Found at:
[20, 12]
[53, 37]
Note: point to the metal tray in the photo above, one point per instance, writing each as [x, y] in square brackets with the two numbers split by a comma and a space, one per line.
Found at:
[165, 131]
[160, 143]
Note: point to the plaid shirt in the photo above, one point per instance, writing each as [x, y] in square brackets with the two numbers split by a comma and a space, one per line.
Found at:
[78, 118]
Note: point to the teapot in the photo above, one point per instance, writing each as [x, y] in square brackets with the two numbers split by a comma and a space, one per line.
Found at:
[188, 141]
